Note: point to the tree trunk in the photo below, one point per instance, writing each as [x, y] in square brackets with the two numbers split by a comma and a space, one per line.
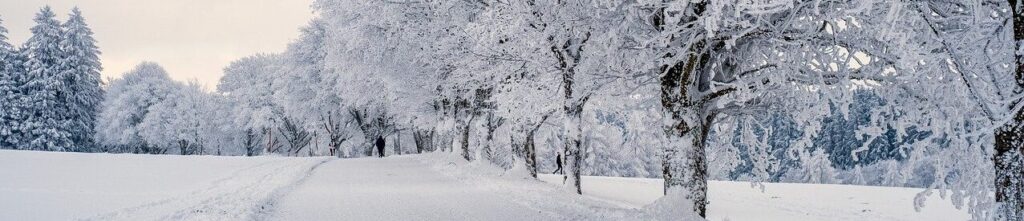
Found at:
[424, 140]
[573, 155]
[1009, 163]
[487, 146]
[398, 142]
[270, 141]
[465, 138]
[417, 138]
[529, 149]
[530, 152]
[493, 123]
[685, 165]
[369, 149]
[371, 128]
[524, 149]
[335, 134]
[444, 140]
[568, 55]
[370, 146]
[251, 142]
[517, 148]
[199, 145]
[183, 145]
[1009, 144]
[335, 145]
[573, 162]
[447, 141]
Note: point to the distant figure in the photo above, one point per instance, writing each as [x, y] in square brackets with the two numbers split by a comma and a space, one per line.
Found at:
[380, 146]
[558, 161]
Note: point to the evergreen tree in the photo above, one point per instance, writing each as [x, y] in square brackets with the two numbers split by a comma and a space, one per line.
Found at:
[10, 73]
[81, 67]
[46, 124]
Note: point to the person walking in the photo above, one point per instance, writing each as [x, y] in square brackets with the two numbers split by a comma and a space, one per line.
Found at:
[380, 146]
[558, 162]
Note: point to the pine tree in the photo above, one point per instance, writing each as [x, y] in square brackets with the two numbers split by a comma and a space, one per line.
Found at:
[10, 71]
[46, 125]
[81, 69]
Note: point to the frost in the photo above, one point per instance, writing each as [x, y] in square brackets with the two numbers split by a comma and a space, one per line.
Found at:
[895, 93]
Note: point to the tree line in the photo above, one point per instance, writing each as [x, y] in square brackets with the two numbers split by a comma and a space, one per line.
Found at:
[688, 89]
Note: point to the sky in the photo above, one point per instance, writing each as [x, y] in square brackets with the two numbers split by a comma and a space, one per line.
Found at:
[191, 39]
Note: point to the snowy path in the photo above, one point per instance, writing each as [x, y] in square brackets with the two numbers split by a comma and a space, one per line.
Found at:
[246, 194]
[404, 188]
[71, 186]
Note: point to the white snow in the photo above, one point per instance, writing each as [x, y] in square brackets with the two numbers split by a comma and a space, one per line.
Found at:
[66, 186]
[780, 201]
[404, 188]
[439, 186]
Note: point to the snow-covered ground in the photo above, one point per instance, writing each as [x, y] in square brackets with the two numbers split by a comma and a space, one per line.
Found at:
[406, 188]
[780, 201]
[68, 186]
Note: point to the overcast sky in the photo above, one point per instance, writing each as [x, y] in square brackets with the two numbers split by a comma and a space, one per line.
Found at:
[192, 39]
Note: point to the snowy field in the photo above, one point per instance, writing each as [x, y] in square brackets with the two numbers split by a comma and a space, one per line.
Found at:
[740, 201]
[68, 186]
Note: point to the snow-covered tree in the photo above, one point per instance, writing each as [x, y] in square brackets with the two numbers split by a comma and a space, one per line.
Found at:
[722, 62]
[383, 54]
[218, 132]
[176, 122]
[806, 91]
[248, 84]
[617, 140]
[46, 126]
[308, 89]
[535, 49]
[82, 71]
[128, 103]
[11, 78]
[950, 77]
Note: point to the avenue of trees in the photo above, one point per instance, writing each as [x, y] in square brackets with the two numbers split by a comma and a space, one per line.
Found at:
[880, 92]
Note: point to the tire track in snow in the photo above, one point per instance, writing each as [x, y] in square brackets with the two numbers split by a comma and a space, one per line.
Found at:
[268, 206]
[177, 199]
[239, 196]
